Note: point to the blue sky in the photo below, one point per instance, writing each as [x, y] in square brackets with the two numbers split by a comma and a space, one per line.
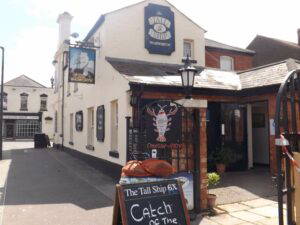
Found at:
[29, 30]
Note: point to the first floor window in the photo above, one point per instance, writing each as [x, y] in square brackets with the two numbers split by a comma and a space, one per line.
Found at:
[43, 102]
[188, 48]
[24, 102]
[4, 101]
[226, 63]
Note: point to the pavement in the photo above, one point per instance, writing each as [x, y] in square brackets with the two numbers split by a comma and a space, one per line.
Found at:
[43, 187]
[244, 186]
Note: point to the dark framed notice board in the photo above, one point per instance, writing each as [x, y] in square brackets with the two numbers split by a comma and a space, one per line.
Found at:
[155, 203]
[100, 123]
[79, 121]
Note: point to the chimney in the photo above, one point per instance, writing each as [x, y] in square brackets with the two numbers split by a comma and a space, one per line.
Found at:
[64, 21]
[298, 31]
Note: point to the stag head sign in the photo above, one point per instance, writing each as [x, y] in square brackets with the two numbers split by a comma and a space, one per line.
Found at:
[163, 121]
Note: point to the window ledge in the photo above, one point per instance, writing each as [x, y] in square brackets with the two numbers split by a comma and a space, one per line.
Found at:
[114, 154]
[90, 147]
[23, 109]
[71, 143]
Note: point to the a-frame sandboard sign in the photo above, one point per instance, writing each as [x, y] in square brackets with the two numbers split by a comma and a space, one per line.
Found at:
[155, 203]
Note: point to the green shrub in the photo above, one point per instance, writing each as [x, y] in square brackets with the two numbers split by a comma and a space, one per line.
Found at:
[213, 179]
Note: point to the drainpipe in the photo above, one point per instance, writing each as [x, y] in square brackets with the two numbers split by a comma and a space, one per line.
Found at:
[65, 54]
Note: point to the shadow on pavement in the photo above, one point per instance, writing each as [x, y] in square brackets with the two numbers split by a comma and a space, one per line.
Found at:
[243, 186]
[37, 178]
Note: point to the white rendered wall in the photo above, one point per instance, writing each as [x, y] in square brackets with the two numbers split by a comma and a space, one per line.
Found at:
[121, 36]
[33, 105]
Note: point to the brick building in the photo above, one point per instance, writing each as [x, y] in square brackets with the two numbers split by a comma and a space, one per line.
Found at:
[226, 57]
[271, 50]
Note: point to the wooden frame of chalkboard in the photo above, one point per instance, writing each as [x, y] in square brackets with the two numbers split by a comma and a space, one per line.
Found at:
[153, 203]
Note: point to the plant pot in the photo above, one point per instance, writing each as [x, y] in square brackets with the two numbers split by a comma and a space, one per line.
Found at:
[221, 168]
[211, 201]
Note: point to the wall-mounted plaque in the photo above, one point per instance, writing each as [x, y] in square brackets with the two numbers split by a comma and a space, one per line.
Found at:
[100, 123]
[79, 121]
[163, 125]
[159, 29]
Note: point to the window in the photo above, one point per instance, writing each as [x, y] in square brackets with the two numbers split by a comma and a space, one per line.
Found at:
[4, 101]
[43, 102]
[226, 63]
[90, 127]
[114, 125]
[188, 47]
[71, 126]
[24, 102]
[27, 128]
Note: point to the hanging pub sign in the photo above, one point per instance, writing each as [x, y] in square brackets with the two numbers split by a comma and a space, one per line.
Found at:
[154, 203]
[79, 121]
[159, 29]
[163, 125]
[82, 65]
[100, 123]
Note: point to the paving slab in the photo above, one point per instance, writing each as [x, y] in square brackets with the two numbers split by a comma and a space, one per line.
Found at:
[258, 202]
[269, 221]
[234, 207]
[226, 219]
[243, 186]
[247, 216]
[203, 221]
[266, 211]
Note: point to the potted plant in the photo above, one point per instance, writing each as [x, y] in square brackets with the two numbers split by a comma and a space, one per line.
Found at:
[222, 158]
[213, 180]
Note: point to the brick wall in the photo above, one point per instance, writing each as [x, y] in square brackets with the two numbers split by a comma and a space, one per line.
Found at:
[270, 98]
[241, 61]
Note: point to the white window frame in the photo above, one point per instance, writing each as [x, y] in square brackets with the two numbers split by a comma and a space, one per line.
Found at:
[191, 43]
[71, 127]
[226, 58]
[90, 126]
[114, 107]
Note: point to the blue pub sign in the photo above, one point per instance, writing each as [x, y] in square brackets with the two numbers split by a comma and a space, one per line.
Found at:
[159, 29]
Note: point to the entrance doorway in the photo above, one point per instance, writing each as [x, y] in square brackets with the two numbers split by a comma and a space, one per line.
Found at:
[227, 131]
[10, 130]
[260, 134]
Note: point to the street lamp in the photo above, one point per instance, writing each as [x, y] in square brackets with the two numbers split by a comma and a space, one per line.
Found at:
[187, 74]
[1, 103]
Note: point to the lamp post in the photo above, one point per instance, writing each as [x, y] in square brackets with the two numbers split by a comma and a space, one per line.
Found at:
[1, 103]
[187, 73]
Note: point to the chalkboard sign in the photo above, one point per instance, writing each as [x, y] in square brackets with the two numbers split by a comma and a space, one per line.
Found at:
[100, 123]
[155, 203]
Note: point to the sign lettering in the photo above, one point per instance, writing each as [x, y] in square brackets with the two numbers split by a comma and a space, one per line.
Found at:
[159, 29]
[156, 203]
